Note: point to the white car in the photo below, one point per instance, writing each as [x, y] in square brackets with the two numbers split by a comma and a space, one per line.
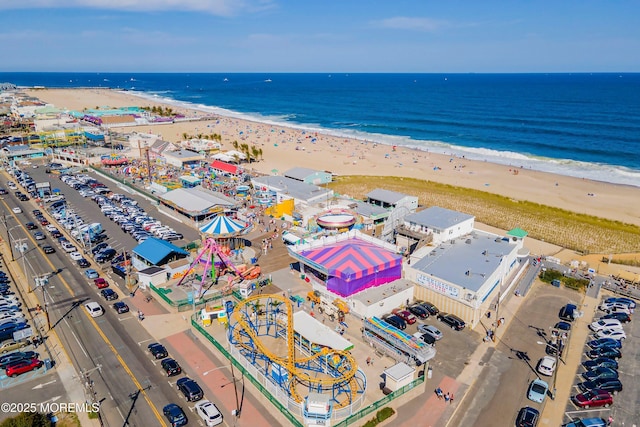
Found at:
[68, 248]
[17, 210]
[616, 307]
[8, 299]
[209, 413]
[547, 365]
[17, 316]
[76, 256]
[51, 228]
[94, 309]
[616, 334]
[605, 324]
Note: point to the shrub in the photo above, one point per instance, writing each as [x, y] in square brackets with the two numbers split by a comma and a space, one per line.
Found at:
[381, 415]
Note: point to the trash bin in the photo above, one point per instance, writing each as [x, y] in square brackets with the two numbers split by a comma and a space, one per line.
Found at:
[429, 373]
[47, 364]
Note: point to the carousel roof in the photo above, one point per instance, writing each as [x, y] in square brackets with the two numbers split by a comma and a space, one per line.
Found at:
[222, 225]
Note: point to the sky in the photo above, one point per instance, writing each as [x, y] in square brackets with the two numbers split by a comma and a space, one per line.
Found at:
[481, 36]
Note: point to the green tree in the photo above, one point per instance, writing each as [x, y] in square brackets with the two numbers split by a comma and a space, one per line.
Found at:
[27, 419]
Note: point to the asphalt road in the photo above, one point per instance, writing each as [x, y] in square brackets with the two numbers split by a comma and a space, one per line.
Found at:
[110, 341]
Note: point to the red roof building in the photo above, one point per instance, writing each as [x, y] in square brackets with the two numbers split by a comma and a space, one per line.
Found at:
[222, 167]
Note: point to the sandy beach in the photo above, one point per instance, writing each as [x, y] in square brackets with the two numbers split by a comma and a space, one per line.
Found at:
[284, 148]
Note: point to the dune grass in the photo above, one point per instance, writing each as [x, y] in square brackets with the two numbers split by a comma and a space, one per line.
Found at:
[579, 232]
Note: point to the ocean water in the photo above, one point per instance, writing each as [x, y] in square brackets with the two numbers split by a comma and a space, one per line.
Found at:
[582, 125]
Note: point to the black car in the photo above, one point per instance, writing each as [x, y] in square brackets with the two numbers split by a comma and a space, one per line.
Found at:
[431, 309]
[158, 350]
[109, 294]
[120, 307]
[603, 362]
[48, 249]
[99, 247]
[418, 311]
[428, 338]
[605, 342]
[191, 390]
[31, 226]
[599, 372]
[609, 352]
[454, 321]
[106, 255]
[527, 417]
[569, 312]
[36, 212]
[395, 321]
[622, 317]
[17, 356]
[175, 415]
[171, 367]
[56, 234]
[612, 385]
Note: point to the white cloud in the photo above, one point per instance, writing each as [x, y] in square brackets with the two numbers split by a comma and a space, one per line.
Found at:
[413, 24]
[214, 7]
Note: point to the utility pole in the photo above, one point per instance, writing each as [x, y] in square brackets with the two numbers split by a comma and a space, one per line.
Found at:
[88, 383]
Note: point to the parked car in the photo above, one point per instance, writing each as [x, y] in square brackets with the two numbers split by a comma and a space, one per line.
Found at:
[406, 316]
[106, 255]
[612, 385]
[17, 356]
[587, 422]
[610, 352]
[615, 307]
[109, 294]
[158, 350]
[603, 362]
[616, 334]
[100, 283]
[190, 389]
[208, 413]
[171, 367]
[537, 390]
[83, 263]
[605, 324]
[121, 307]
[547, 365]
[569, 313]
[395, 321]
[91, 273]
[175, 415]
[454, 321]
[431, 309]
[22, 367]
[418, 311]
[622, 317]
[598, 373]
[431, 330]
[622, 300]
[527, 417]
[31, 226]
[592, 399]
[11, 345]
[604, 342]
[48, 249]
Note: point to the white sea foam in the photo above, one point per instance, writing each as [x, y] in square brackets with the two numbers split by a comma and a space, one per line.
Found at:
[568, 167]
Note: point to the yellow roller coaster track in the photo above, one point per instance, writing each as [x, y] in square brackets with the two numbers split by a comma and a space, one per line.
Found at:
[347, 369]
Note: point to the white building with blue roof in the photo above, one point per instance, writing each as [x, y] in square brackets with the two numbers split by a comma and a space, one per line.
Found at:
[466, 275]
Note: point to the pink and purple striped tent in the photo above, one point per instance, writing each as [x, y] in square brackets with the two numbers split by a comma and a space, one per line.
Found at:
[354, 265]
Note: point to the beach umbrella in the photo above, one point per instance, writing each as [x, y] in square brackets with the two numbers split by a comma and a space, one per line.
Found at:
[223, 226]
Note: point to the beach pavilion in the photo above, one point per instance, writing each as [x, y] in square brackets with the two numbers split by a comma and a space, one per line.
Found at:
[347, 263]
[196, 203]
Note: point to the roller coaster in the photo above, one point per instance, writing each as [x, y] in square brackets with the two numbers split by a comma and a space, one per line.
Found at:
[261, 327]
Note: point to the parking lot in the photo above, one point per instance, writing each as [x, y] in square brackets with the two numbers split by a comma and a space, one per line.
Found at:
[625, 409]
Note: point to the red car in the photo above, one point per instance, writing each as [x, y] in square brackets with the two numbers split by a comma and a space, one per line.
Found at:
[101, 283]
[22, 367]
[592, 398]
[407, 317]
